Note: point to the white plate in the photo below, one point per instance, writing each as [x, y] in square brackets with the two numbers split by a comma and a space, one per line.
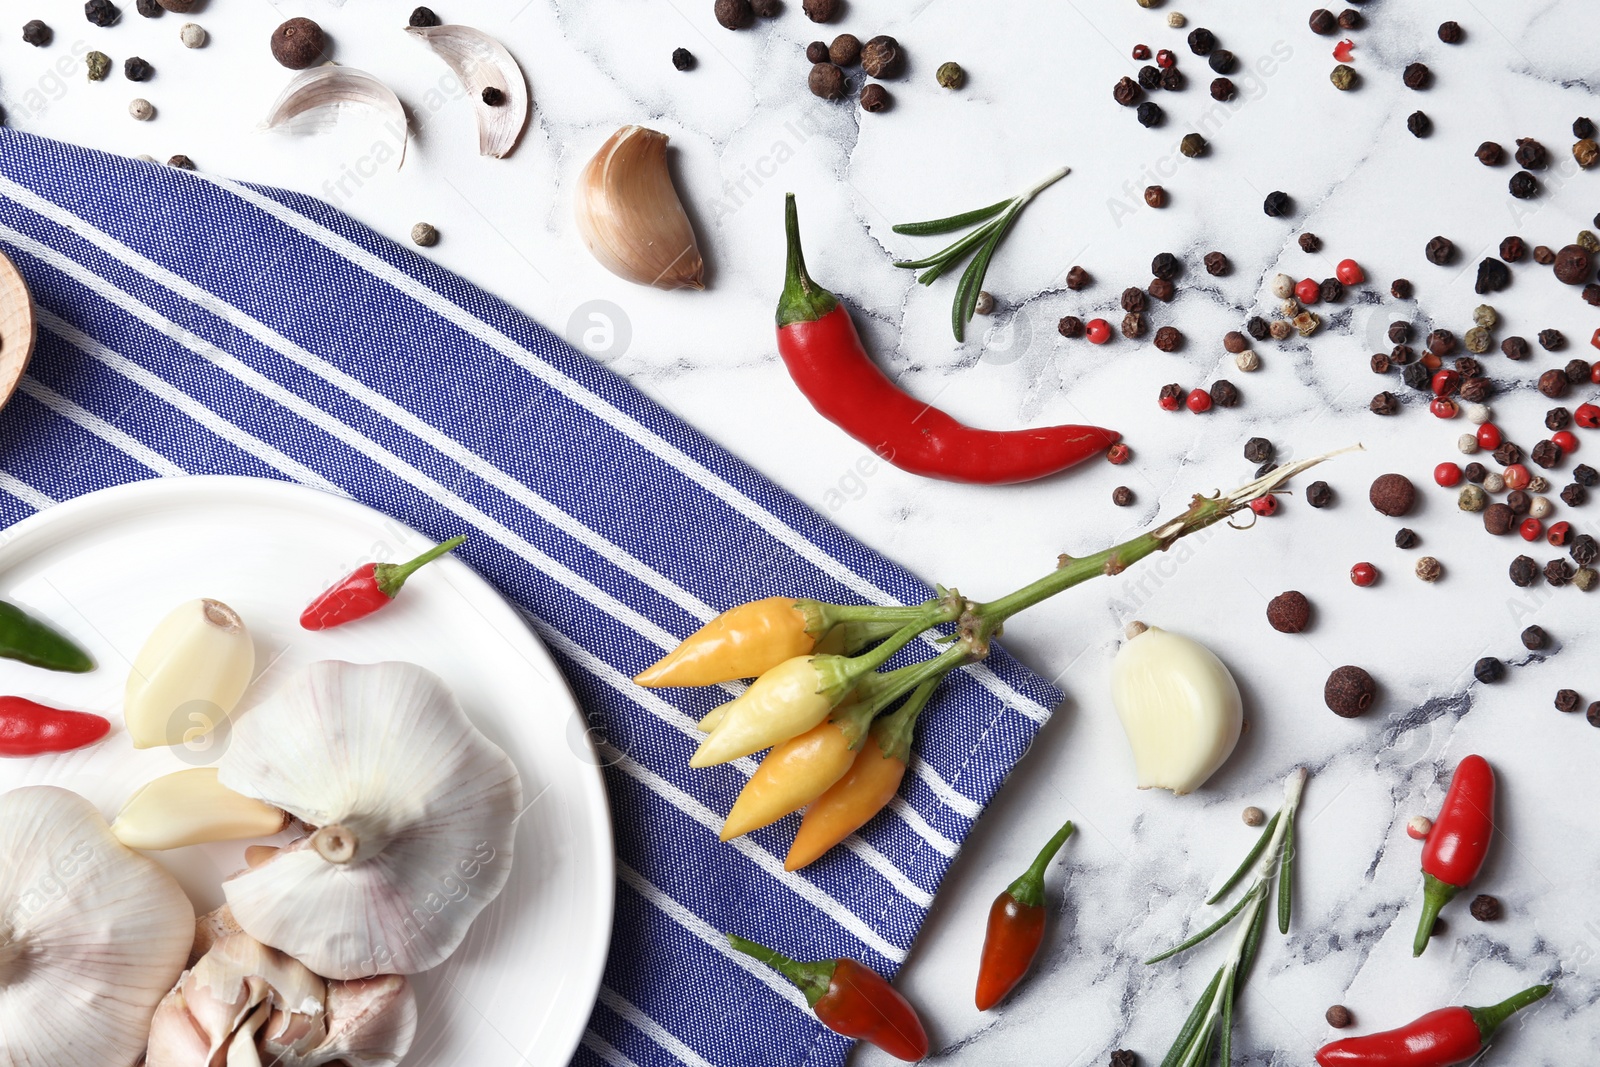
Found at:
[107, 566]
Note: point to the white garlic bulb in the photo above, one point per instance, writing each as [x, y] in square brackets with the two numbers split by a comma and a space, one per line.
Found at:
[244, 1003]
[92, 935]
[414, 811]
[189, 675]
[1179, 706]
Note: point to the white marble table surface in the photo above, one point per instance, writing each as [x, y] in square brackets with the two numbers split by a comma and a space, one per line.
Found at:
[1039, 96]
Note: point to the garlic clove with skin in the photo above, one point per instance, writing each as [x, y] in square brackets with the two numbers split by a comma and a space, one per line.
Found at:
[189, 676]
[491, 78]
[630, 216]
[191, 808]
[1179, 706]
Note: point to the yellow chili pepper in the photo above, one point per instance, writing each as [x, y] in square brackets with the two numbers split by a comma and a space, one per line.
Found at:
[865, 789]
[742, 642]
[786, 701]
[799, 770]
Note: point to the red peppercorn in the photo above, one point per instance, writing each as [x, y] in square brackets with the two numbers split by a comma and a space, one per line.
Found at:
[1489, 436]
[1118, 454]
[1308, 290]
[1363, 574]
[1587, 416]
[1559, 533]
[1447, 474]
[1098, 331]
[1265, 505]
[1198, 401]
[1446, 382]
[1595, 340]
[1565, 440]
[1171, 398]
[1517, 476]
[1166, 59]
[1349, 272]
[1531, 529]
[1444, 408]
[1141, 51]
[1430, 360]
[1594, 371]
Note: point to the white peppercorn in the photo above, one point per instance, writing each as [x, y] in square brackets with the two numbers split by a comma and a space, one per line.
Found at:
[1468, 444]
[1176, 20]
[1282, 286]
[1540, 507]
[142, 109]
[193, 35]
[985, 303]
[1247, 360]
[1478, 414]
[1281, 329]
[1494, 483]
[424, 234]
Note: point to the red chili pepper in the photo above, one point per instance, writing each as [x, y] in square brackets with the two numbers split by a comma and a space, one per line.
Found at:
[370, 587]
[1438, 1039]
[1458, 843]
[824, 354]
[1016, 928]
[29, 729]
[850, 999]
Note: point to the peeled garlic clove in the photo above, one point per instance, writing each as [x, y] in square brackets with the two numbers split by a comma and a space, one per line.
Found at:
[371, 1021]
[316, 98]
[192, 808]
[1179, 706]
[189, 675]
[483, 64]
[630, 216]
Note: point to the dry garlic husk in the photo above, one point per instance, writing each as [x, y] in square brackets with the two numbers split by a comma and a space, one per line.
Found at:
[414, 812]
[91, 935]
[189, 676]
[1179, 706]
[317, 98]
[192, 808]
[246, 1004]
[482, 63]
[630, 216]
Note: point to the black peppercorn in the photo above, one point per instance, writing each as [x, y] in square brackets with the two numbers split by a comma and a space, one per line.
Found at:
[1323, 22]
[1349, 19]
[1172, 80]
[821, 10]
[1418, 376]
[1531, 154]
[1202, 41]
[1493, 276]
[845, 50]
[1256, 327]
[1149, 77]
[1485, 909]
[1567, 700]
[1133, 298]
[1331, 291]
[1552, 341]
[1439, 250]
[1216, 264]
[1591, 294]
[1289, 613]
[1155, 196]
[1078, 278]
[1578, 371]
[299, 43]
[424, 17]
[1490, 154]
[1384, 404]
[1349, 691]
[1400, 289]
[1276, 204]
[1310, 242]
[1475, 472]
[881, 58]
[1224, 393]
[1507, 453]
[1405, 537]
[1222, 61]
[1584, 549]
[1543, 255]
[734, 14]
[1123, 1058]
[1171, 394]
[874, 98]
[1126, 92]
[1572, 265]
[150, 9]
[37, 34]
[181, 162]
[1258, 450]
[1524, 571]
[1169, 339]
[1122, 496]
[1192, 145]
[1574, 495]
[101, 12]
[1165, 265]
[1468, 368]
[1223, 89]
[1512, 249]
[1150, 114]
[1160, 288]
[1416, 75]
[1419, 124]
[1450, 32]
[1319, 494]
[1379, 363]
[1582, 128]
[1441, 342]
[1070, 326]
[493, 96]
[1515, 348]
[1134, 325]
[1585, 475]
[817, 52]
[682, 59]
[1524, 186]
[827, 81]
[1498, 519]
[1558, 572]
[1534, 638]
[1488, 670]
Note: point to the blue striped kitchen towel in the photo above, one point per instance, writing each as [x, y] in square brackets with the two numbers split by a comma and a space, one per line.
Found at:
[174, 340]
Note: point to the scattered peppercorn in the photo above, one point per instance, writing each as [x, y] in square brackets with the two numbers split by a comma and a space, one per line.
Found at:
[1440, 250]
[1441, 342]
[1417, 376]
[1450, 32]
[1490, 154]
[1155, 196]
[845, 50]
[1222, 61]
[1583, 127]
[1149, 77]
[682, 59]
[875, 98]
[1558, 572]
[1224, 393]
[101, 12]
[767, 9]
[734, 14]
[1309, 242]
[1172, 80]
[1475, 473]
[1133, 298]
[300, 43]
[1524, 186]
[1289, 613]
[181, 162]
[1123, 1058]
[1281, 329]
[1471, 497]
[182, 7]
[1393, 494]
[1258, 450]
[1572, 265]
[150, 9]
[193, 35]
[1078, 278]
[817, 52]
[1429, 569]
[1493, 275]
[1507, 453]
[1169, 339]
[1122, 496]
[881, 58]
[1567, 700]
[1543, 255]
[1586, 579]
[1070, 326]
[827, 81]
[1149, 114]
[1591, 294]
[1277, 204]
[1349, 691]
[951, 76]
[1256, 327]
[1400, 289]
[1587, 241]
[821, 10]
[1515, 348]
[37, 33]
[1223, 89]
[1586, 152]
[1201, 41]
[1574, 495]
[1524, 571]
[1534, 638]
[1585, 475]
[1488, 670]
[1165, 265]
[1419, 124]
[1323, 22]
[424, 234]
[141, 109]
[1339, 1017]
[1405, 537]
[1477, 340]
[1216, 264]
[99, 65]
[1401, 355]
[1530, 154]
[1319, 494]
[1417, 76]
[1192, 145]
[1552, 341]
[424, 17]
[1134, 325]
[1331, 290]
[1585, 549]
[1384, 403]
[1344, 77]
[1485, 908]
[1171, 397]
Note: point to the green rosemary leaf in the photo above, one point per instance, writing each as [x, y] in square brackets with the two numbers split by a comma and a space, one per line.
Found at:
[954, 222]
[1225, 1031]
[1249, 861]
[972, 281]
[1191, 1027]
[953, 253]
[1286, 875]
[1252, 942]
[1208, 931]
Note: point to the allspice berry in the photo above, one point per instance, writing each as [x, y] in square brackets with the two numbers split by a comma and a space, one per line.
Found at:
[182, 7]
[845, 50]
[1485, 909]
[1339, 1017]
[1349, 691]
[1253, 816]
[817, 52]
[300, 43]
[1393, 494]
[821, 10]
[1155, 196]
[875, 98]
[827, 81]
[1289, 613]
[734, 14]
[1573, 265]
[881, 58]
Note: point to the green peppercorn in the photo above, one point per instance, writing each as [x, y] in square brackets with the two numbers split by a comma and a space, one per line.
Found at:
[99, 66]
[1343, 77]
[1477, 340]
[1485, 316]
[1588, 241]
[951, 76]
[1192, 145]
[1472, 498]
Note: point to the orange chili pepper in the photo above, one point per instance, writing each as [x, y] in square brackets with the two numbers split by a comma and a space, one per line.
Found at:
[799, 770]
[1016, 929]
[742, 642]
[866, 788]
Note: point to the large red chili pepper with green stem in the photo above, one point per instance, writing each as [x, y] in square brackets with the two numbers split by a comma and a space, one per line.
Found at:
[1458, 843]
[1438, 1039]
[367, 589]
[824, 354]
[1016, 928]
[29, 729]
[850, 998]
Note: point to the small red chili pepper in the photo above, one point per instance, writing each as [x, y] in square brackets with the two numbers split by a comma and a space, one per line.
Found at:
[1565, 440]
[1438, 1039]
[1265, 505]
[1016, 928]
[1308, 290]
[1531, 529]
[1517, 476]
[1447, 474]
[368, 588]
[1587, 416]
[1456, 848]
[825, 357]
[1341, 51]
[1349, 272]
[1198, 401]
[1444, 408]
[29, 729]
[1559, 534]
[1098, 331]
[850, 998]
[1363, 574]
[1489, 436]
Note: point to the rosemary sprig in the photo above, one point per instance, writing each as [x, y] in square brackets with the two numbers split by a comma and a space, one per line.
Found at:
[997, 220]
[1272, 857]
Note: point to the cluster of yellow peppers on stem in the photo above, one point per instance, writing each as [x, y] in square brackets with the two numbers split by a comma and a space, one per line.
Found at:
[818, 699]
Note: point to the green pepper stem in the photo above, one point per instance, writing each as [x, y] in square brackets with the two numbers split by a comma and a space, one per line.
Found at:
[1435, 895]
[1489, 1019]
[812, 979]
[878, 691]
[391, 576]
[803, 300]
[894, 732]
[1028, 889]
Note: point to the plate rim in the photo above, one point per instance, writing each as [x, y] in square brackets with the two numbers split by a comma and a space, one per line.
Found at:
[466, 581]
